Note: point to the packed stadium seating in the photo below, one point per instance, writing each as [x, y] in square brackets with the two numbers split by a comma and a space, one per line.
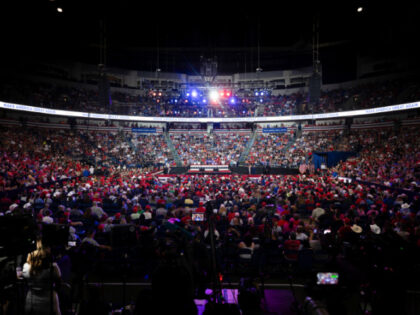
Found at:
[107, 179]
[84, 97]
[217, 149]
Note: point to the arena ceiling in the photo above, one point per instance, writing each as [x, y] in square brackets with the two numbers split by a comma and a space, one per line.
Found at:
[173, 36]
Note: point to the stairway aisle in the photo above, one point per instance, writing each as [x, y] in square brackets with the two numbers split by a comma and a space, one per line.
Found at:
[171, 147]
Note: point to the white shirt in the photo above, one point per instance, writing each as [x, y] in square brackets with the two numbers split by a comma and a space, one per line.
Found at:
[147, 215]
[301, 236]
[47, 220]
[317, 212]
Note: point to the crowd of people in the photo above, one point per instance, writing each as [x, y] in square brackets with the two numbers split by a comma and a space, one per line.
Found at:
[216, 149]
[83, 97]
[269, 149]
[258, 223]
[35, 156]
[283, 105]
[291, 151]
[387, 157]
[128, 150]
[363, 210]
[32, 157]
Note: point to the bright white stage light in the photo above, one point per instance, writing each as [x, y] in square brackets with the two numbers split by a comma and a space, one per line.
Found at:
[214, 95]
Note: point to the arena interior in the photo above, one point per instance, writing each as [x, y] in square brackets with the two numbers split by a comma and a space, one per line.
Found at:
[166, 161]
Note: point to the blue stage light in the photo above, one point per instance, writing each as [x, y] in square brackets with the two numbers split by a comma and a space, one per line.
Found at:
[194, 94]
[232, 100]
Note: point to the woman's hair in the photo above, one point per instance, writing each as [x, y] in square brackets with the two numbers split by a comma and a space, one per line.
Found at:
[39, 259]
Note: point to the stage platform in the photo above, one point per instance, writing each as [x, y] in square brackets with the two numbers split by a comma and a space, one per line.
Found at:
[209, 169]
[227, 169]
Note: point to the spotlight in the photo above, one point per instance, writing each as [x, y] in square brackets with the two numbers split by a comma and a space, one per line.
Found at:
[194, 93]
[60, 10]
[256, 93]
[204, 100]
[214, 95]
[188, 94]
[262, 93]
[232, 100]
[359, 9]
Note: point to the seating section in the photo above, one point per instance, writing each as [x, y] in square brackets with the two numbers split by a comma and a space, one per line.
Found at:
[84, 97]
[218, 149]
[128, 219]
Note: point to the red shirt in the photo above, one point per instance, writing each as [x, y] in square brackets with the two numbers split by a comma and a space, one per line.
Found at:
[200, 210]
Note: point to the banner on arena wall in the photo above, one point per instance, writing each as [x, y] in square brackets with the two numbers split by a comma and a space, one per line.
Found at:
[143, 130]
[275, 130]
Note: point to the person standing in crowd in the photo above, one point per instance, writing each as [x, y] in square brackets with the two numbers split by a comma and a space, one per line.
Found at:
[42, 275]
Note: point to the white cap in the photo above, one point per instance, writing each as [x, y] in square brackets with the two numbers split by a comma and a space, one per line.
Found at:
[375, 229]
[27, 205]
[48, 220]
